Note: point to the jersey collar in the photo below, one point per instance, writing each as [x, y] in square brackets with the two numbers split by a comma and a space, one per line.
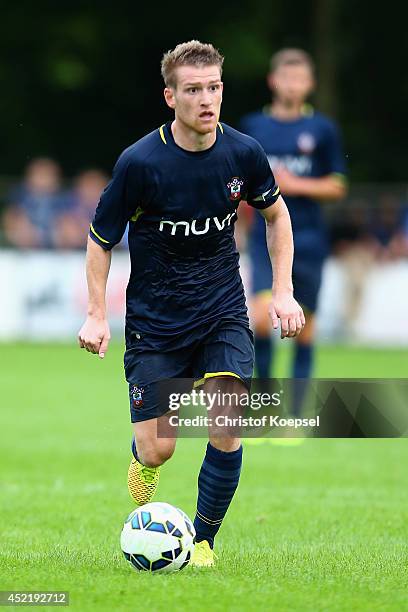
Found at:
[167, 138]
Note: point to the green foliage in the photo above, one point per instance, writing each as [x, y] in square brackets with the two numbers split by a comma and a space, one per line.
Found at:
[81, 81]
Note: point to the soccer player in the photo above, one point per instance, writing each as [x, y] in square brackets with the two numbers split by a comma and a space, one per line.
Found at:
[179, 188]
[304, 152]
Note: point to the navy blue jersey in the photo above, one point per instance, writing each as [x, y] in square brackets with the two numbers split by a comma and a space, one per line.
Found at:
[181, 208]
[310, 147]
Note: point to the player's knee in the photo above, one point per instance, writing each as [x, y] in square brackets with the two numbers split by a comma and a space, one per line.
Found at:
[262, 324]
[306, 336]
[263, 327]
[260, 318]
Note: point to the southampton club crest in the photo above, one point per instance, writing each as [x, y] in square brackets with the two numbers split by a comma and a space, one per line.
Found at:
[306, 143]
[234, 186]
[137, 396]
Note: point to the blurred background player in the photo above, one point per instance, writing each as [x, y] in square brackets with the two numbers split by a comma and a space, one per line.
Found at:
[304, 151]
[34, 205]
[72, 225]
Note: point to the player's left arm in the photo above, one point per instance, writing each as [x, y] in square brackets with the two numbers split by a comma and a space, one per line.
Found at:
[279, 241]
[332, 185]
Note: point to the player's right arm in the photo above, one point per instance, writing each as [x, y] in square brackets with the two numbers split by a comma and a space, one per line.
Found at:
[117, 204]
[94, 335]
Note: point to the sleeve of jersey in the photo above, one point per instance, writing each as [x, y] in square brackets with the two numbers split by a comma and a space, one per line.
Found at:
[114, 209]
[334, 159]
[262, 189]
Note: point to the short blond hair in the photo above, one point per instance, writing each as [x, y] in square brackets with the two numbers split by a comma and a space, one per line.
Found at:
[191, 53]
[291, 57]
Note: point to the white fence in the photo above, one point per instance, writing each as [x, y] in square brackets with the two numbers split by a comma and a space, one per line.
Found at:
[43, 297]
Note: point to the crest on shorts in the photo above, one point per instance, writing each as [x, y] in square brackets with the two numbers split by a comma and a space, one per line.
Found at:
[306, 142]
[137, 396]
[234, 186]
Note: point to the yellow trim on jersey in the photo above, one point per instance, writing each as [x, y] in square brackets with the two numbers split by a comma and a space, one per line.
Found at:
[214, 374]
[139, 211]
[98, 236]
[162, 136]
[339, 176]
[307, 110]
[201, 381]
[261, 198]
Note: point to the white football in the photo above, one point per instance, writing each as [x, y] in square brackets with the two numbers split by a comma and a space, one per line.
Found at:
[157, 537]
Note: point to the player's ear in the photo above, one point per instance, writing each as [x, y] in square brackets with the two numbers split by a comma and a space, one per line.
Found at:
[169, 97]
[270, 81]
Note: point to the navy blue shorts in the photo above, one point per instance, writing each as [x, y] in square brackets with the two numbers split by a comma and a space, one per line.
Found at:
[306, 275]
[226, 350]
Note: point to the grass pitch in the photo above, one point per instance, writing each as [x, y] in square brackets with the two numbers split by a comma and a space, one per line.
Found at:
[320, 526]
